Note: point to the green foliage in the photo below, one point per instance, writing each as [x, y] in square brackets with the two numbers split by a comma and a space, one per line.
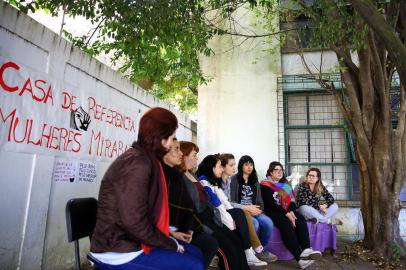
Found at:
[395, 251]
[331, 23]
[182, 98]
[158, 41]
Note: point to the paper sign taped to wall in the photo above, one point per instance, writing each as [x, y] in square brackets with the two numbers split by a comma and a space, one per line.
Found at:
[64, 171]
[74, 171]
[87, 172]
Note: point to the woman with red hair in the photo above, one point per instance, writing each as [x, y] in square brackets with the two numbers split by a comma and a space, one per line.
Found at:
[132, 228]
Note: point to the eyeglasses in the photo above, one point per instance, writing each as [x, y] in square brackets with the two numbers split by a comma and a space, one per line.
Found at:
[312, 175]
[277, 170]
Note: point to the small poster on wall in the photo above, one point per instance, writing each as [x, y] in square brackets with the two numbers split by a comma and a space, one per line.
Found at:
[74, 171]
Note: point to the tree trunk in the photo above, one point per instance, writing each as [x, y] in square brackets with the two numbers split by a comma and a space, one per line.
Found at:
[380, 208]
[366, 105]
[382, 168]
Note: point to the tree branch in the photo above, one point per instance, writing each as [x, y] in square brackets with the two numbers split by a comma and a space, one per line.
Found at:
[380, 84]
[213, 27]
[94, 31]
[63, 20]
[366, 88]
[385, 33]
[328, 86]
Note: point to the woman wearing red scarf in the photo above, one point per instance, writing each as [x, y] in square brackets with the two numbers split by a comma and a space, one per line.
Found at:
[279, 205]
[132, 228]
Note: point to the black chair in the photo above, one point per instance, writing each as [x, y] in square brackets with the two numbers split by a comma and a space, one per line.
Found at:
[81, 216]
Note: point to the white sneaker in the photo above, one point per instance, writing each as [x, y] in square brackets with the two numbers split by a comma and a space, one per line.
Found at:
[335, 221]
[304, 264]
[310, 254]
[215, 262]
[252, 259]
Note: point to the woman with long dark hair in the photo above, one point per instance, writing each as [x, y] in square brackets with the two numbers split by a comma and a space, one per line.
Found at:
[279, 205]
[231, 249]
[132, 228]
[209, 173]
[245, 193]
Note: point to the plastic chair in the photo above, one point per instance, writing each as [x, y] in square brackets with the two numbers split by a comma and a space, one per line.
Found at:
[81, 216]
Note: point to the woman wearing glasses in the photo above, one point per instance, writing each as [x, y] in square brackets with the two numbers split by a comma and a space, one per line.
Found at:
[308, 198]
[279, 205]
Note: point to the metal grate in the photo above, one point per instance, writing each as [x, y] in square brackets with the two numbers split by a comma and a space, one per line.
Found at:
[334, 177]
[316, 136]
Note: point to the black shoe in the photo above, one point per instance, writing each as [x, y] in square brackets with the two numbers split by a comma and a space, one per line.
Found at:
[314, 220]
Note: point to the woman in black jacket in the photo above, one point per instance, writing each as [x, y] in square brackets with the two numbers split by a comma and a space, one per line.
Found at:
[230, 245]
[184, 225]
[279, 204]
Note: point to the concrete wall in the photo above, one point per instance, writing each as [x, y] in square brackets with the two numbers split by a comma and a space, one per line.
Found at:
[324, 62]
[353, 227]
[32, 205]
[238, 108]
[292, 63]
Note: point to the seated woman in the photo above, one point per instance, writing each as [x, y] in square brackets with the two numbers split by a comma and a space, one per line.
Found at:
[182, 218]
[245, 193]
[230, 245]
[258, 223]
[209, 174]
[279, 205]
[308, 198]
[132, 227]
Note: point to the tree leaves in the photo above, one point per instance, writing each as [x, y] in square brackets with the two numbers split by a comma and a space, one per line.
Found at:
[158, 41]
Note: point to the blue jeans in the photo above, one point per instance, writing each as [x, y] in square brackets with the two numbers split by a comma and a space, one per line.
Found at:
[264, 226]
[162, 259]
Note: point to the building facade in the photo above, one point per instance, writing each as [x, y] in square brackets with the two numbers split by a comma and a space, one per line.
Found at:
[270, 108]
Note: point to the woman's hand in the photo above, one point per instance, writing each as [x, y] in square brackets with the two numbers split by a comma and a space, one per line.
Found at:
[254, 210]
[182, 236]
[323, 208]
[292, 218]
[181, 249]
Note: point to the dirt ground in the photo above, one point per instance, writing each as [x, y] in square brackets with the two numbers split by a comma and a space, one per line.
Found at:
[347, 257]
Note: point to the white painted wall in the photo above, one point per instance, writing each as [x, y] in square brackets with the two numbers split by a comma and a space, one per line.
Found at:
[32, 206]
[292, 63]
[353, 227]
[324, 62]
[238, 108]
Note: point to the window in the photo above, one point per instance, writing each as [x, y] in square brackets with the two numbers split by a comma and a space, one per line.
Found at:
[315, 135]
